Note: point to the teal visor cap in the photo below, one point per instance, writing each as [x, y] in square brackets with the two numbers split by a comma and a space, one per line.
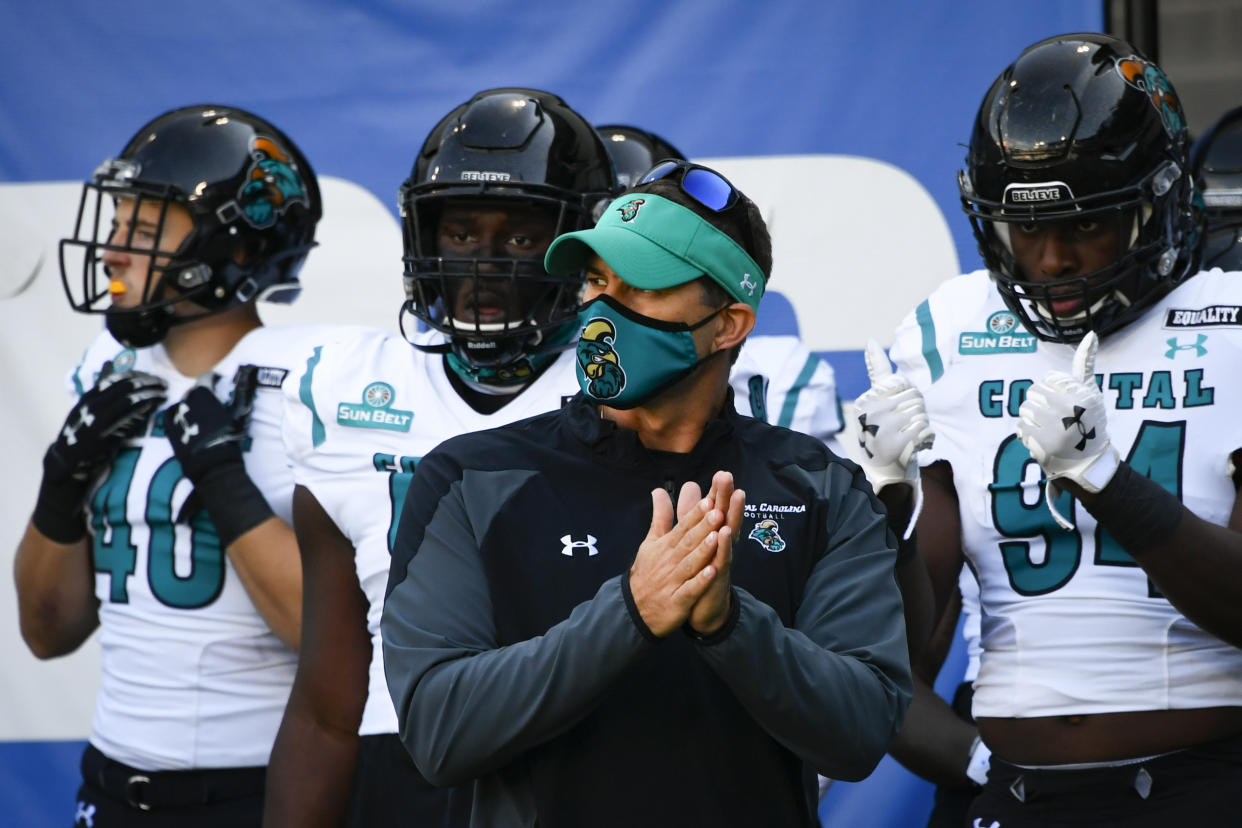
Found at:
[653, 243]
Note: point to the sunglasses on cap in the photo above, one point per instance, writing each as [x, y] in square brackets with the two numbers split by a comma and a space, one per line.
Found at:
[703, 184]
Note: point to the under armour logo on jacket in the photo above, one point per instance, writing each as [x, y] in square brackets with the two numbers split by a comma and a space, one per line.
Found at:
[1076, 420]
[979, 824]
[571, 545]
[85, 815]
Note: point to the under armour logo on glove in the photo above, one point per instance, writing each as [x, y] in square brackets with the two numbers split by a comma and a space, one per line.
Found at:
[1076, 421]
[1064, 425]
[205, 432]
[866, 429]
[892, 428]
[116, 409]
[188, 429]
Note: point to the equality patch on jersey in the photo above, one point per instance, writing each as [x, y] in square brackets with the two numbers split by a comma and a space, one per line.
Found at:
[1001, 337]
[375, 411]
[1213, 316]
[267, 377]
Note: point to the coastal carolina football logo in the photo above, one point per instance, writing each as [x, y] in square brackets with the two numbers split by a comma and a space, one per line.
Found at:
[629, 210]
[1146, 77]
[376, 410]
[271, 186]
[599, 360]
[767, 533]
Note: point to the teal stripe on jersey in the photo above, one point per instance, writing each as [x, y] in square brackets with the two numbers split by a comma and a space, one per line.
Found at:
[930, 353]
[77, 381]
[304, 394]
[791, 399]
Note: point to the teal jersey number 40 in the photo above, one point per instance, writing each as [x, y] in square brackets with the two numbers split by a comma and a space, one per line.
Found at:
[116, 554]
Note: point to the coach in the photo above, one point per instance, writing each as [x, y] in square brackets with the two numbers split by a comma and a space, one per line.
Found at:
[645, 609]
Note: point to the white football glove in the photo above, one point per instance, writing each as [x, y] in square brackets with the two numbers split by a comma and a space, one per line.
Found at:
[1064, 425]
[892, 428]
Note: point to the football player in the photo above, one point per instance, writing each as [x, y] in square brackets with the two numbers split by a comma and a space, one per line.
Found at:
[162, 516]
[1081, 390]
[495, 181]
[1217, 161]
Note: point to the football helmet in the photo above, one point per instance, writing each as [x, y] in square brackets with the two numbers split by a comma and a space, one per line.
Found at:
[514, 150]
[250, 193]
[1217, 161]
[1083, 128]
[634, 151]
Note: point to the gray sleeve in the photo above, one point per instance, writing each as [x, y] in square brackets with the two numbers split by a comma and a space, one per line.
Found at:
[464, 705]
[833, 688]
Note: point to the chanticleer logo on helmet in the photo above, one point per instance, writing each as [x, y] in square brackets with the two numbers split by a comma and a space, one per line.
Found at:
[1147, 77]
[767, 533]
[271, 187]
[600, 362]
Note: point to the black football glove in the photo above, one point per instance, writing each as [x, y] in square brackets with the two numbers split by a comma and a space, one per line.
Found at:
[207, 438]
[116, 409]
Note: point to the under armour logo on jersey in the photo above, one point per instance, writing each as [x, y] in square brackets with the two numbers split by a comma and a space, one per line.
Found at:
[1076, 422]
[571, 545]
[1196, 346]
[748, 284]
[85, 815]
[188, 429]
[978, 824]
[866, 429]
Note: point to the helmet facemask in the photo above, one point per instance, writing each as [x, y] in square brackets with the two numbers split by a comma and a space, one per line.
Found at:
[495, 310]
[1143, 264]
[253, 203]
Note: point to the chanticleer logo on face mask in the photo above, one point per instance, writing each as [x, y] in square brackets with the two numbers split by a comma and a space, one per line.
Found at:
[599, 360]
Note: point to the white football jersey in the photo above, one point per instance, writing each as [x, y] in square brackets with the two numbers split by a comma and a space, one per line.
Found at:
[360, 415]
[192, 675]
[777, 380]
[1070, 623]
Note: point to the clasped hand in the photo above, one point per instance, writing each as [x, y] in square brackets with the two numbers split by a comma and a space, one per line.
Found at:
[682, 571]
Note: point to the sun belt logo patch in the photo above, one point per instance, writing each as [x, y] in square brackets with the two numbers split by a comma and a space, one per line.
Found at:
[1001, 337]
[599, 360]
[376, 410]
[767, 533]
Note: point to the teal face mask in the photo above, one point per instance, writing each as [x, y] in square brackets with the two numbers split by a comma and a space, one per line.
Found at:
[625, 358]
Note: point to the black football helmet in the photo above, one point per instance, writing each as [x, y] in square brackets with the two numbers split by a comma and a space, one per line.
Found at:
[254, 201]
[1217, 161]
[1083, 127]
[510, 146]
[634, 151]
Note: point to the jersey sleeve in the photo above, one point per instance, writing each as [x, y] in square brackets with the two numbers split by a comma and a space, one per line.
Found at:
[778, 380]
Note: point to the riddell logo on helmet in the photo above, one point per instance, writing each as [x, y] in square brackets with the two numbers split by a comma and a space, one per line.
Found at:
[1037, 193]
[484, 175]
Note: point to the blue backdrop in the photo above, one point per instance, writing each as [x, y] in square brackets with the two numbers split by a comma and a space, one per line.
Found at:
[359, 84]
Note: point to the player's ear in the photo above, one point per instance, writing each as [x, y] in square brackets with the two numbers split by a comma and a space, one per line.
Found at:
[735, 323]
